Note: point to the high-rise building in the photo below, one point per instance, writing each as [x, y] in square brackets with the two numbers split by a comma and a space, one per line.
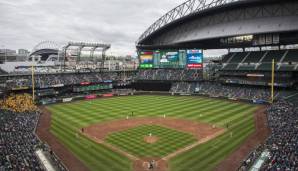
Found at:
[7, 55]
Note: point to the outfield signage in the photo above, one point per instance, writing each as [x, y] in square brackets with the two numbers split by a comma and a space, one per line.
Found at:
[66, 100]
[19, 88]
[57, 85]
[85, 83]
[93, 96]
[194, 65]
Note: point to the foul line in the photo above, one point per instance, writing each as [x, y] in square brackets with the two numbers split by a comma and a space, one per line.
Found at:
[166, 158]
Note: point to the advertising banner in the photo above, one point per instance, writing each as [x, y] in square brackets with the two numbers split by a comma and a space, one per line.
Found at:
[92, 96]
[66, 100]
[85, 83]
[108, 95]
[58, 85]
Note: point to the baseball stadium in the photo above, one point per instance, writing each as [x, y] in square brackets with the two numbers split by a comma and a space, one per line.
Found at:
[170, 109]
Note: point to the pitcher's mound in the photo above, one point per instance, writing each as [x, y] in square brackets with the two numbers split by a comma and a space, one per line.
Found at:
[151, 139]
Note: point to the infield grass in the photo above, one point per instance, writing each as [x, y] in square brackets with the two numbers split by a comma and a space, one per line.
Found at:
[132, 140]
[68, 118]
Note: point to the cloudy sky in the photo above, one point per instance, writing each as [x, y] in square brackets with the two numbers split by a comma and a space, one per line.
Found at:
[25, 23]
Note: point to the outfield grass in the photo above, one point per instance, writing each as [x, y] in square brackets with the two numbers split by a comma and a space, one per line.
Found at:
[132, 140]
[68, 118]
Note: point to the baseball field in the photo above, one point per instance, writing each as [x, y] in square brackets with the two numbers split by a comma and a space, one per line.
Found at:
[188, 133]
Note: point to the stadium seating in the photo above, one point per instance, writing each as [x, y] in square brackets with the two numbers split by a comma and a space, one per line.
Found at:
[266, 63]
[18, 103]
[254, 57]
[170, 75]
[286, 67]
[54, 80]
[238, 57]
[247, 67]
[227, 57]
[282, 143]
[274, 54]
[286, 60]
[292, 56]
[228, 91]
[18, 142]
[231, 67]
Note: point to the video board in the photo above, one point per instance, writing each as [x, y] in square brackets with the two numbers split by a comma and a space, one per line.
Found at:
[171, 58]
[194, 59]
[146, 59]
[168, 59]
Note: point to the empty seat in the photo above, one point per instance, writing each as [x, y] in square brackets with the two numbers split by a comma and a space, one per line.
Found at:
[274, 54]
[254, 57]
[287, 68]
[238, 57]
[292, 56]
[247, 67]
[230, 67]
[266, 67]
[227, 57]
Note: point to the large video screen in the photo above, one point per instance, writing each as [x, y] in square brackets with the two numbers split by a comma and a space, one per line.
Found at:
[194, 59]
[167, 57]
[146, 59]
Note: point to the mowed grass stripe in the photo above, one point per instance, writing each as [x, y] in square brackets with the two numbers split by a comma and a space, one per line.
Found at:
[69, 118]
[94, 155]
[207, 150]
[132, 141]
[248, 121]
[82, 119]
[82, 140]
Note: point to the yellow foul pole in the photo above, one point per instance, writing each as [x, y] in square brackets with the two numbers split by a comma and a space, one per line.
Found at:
[33, 84]
[272, 81]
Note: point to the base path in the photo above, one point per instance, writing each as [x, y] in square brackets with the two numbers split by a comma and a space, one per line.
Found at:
[202, 131]
[43, 131]
[199, 130]
[233, 161]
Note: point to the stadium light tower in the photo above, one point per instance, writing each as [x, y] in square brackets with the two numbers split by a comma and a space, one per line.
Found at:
[94, 47]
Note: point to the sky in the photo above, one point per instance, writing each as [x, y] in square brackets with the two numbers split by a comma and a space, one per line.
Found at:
[25, 23]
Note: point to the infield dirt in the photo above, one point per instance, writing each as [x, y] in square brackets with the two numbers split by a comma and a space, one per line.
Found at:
[232, 162]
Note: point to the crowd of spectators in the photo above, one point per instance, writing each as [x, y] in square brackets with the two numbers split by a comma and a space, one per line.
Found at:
[220, 90]
[282, 144]
[170, 75]
[237, 92]
[18, 103]
[183, 87]
[58, 80]
[18, 142]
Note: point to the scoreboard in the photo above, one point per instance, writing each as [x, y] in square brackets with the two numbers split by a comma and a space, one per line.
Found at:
[177, 58]
[194, 59]
[146, 59]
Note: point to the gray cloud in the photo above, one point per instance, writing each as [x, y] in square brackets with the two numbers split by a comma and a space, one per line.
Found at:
[25, 23]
